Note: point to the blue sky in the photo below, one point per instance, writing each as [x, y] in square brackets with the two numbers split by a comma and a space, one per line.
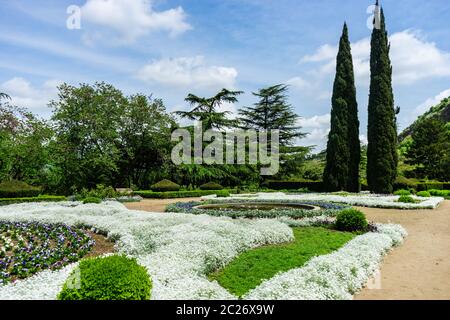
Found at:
[170, 48]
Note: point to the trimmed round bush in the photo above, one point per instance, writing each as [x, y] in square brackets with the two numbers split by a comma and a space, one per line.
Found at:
[165, 186]
[108, 278]
[424, 194]
[211, 186]
[406, 199]
[351, 220]
[402, 192]
[92, 200]
[18, 189]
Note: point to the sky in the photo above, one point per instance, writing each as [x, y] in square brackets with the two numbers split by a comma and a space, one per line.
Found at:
[169, 48]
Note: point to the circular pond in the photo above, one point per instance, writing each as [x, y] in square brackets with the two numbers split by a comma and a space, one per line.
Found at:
[247, 206]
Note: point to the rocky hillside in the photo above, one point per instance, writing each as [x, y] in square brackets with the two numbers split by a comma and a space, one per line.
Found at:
[442, 111]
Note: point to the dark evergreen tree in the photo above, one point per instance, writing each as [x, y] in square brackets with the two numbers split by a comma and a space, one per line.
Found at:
[206, 109]
[273, 112]
[343, 149]
[382, 157]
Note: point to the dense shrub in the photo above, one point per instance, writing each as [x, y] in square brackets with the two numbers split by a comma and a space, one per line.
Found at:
[111, 278]
[18, 189]
[424, 194]
[101, 192]
[316, 186]
[6, 201]
[211, 186]
[405, 184]
[165, 186]
[92, 200]
[440, 193]
[351, 220]
[181, 194]
[406, 199]
[425, 186]
[402, 192]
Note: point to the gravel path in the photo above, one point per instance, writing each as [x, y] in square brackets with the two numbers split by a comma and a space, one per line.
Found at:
[418, 270]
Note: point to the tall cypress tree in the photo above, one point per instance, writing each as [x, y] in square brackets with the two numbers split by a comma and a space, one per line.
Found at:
[382, 157]
[343, 149]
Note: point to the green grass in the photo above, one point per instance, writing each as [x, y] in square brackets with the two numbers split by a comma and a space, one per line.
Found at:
[249, 270]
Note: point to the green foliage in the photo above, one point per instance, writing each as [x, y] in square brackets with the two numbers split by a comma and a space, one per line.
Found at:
[405, 183]
[104, 137]
[402, 192]
[439, 111]
[344, 148]
[24, 141]
[18, 189]
[312, 170]
[102, 192]
[181, 194]
[211, 186]
[440, 193]
[406, 199]
[206, 109]
[316, 186]
[382, 157]
[423, 194]
[351, 220]
[165, 186]
[430, 150]
[92, 200]
[273, 112]
[111, 278]
[7, 201]
[252, 267]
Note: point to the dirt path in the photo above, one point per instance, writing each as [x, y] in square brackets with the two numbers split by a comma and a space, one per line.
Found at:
[419, 269]
[155, 205]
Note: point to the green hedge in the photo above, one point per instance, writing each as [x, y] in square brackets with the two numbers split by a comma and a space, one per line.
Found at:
[6, 201]
[165, 186]
[181, 194]
[316, 186]
[211, 186]
[18, 189]
[108, 278]
[425, 186]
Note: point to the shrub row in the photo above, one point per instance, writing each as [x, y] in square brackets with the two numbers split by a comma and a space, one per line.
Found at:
[408, 184]
[316, 186]
[6, 201]
[181, 194]
[18, 189]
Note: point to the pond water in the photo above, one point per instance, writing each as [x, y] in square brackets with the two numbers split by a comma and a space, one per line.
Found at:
[256, 206]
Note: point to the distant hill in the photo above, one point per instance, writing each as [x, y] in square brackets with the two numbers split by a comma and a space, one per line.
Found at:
[441, 111]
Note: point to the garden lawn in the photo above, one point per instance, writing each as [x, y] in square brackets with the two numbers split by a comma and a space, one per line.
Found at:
[249, 270]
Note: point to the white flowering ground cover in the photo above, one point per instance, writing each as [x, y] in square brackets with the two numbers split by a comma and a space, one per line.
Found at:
[362, 200]
[179, 250]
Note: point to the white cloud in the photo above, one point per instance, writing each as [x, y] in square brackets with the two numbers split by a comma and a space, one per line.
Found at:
[325, 52]
[24, 94]
[188, 71]
[318, 128]
[427, 104]
[298, 82]
[133, 19]
[413, 59]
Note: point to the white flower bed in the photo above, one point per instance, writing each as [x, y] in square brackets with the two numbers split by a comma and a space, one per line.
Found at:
[362, 200]
[336, 276]
[179, 250]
